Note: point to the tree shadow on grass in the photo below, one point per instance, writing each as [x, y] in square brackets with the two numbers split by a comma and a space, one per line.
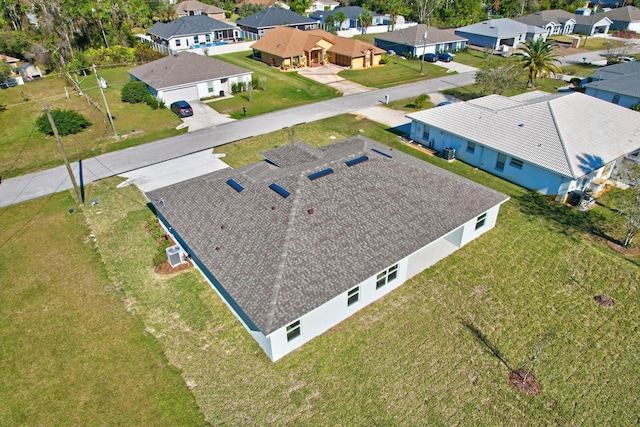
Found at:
[484, 341]
[569, 220]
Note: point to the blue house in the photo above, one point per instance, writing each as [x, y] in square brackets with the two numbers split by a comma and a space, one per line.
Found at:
[353, 16]
[550, 143]
[618, 83]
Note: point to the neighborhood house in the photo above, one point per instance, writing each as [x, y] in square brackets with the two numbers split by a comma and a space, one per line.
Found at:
[299, 242]
[419, 40]
[551, 143]
[192, 32]
[619, 84]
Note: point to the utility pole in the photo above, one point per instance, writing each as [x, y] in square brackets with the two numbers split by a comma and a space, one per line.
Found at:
[424, 49]
[104, 98]
[64, 155]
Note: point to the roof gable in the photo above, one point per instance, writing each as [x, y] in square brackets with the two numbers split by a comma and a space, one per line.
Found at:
[626, 14]
[279, 258]
[184, 68]
[554, 131]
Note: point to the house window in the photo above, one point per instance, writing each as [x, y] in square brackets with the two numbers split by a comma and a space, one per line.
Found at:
[500, 162]
[386, 276]
[210, 87]
[196, 40]
[207, 37]
[616, 99]
[480, 220]
[353, 296]
[471, 147]
[425, 133]
[293, 330]
[516, 163]
[177, 42]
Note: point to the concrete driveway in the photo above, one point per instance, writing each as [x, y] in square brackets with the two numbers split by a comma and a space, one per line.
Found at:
[328, 75]
[203, 117]
[455, 66]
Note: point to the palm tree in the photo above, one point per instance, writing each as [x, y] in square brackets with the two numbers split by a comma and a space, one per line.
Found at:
[340, 18]
[538, 58]
[365, 18]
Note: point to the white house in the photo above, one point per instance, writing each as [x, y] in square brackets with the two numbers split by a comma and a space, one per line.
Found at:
[619, 84]
[322, 5]
[495, 33]
[555, 21]
[193, 32]
[412, 40]
[188, 76]
[299, 242]
[624, 18]
[551, 143]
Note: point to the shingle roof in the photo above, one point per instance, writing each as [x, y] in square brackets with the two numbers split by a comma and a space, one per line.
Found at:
[591, 20]
[543, 17]
[193, 6]
[184, 68]
[556, 132]
[188, 25]
[351, 12]
[279, 258]
[272, 17]
[500, 28]
[413, 36]
[627, 14]
[288, 41]
[623, 79]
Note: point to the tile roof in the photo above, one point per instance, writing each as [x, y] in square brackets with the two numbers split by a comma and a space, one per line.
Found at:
[279, 258]
[188, 25]
[557, 132]
[288, 41]
[413, 36]
[623, 79]
[627, 14]
[194, 6]
[272, 17]
[8, 59]
[500, 28]
[184, 68]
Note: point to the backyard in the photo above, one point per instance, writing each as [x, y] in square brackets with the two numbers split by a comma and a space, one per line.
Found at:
[436, 351]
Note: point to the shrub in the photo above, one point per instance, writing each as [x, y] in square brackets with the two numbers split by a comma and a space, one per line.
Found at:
[67, 122]
[111, 55]
[134, 92]
[636, 107]
[384, 58]
[152, 101]
[421, 101]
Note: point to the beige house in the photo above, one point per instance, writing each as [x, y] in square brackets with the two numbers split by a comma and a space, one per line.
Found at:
[194, 8]
[287, 47]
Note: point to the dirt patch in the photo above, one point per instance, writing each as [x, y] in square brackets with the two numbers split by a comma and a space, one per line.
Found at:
[604, 300]
[628, 251]
[525, 382]
[165, 267]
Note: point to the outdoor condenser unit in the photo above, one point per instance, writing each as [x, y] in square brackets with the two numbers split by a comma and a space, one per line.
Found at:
[449, 153]
[174, 255]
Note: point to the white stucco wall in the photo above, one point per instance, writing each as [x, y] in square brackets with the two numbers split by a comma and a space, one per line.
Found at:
[336, 310]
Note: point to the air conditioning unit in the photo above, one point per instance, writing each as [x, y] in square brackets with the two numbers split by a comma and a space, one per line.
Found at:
[449, 154]
[174, 255]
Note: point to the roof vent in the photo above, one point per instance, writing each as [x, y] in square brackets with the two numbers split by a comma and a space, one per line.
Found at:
[521, 125]
[281, 191]
[357, 160]
[320, 174]
[233, 184]
[381, 153]
[310, 211]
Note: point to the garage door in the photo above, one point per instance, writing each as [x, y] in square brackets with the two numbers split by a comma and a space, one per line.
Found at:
[186, 94]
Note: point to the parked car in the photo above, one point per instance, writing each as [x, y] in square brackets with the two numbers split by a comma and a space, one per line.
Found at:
[430, 57]
[10, 82]
[627, 59]
[181, 109]
[445, 57]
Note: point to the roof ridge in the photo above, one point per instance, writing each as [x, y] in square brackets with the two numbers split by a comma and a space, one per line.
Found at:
[562, 143]
[293, 213]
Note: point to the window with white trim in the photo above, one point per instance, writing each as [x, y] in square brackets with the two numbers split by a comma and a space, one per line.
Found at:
[425, 133]
[481, 220]
[353, 296]
[516, 163]
[293, 330]
[471, 147]
[196, 39]
[177, 42]
[500, 162]
[207, 38]
[386, 276]
[210, 87]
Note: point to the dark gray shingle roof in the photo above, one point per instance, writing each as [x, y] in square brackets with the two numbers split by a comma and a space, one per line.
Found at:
[351, 12]
[623, 79]
[184, 68]
[280, 258]
[274, 16]
[188, 25]
[413, 36]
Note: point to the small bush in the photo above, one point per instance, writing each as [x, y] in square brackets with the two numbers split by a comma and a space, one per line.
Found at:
[67, 122]
[134, 92]
[384, 58]
[421, 101]
[636, 107]
[152, 101]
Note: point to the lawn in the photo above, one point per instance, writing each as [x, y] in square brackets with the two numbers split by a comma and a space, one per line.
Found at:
[396, 71]
[23, 149]
[466, 93]
[284, 89]
[436, 351]
[478, 59]
[70, 353]
[589, 43]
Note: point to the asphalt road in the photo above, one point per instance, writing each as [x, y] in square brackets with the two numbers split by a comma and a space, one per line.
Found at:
[31, 186]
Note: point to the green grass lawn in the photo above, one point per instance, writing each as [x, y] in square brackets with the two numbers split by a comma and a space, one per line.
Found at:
[408, 105]
[426, 353]
[478, 59]
[466, 93]
[70, 354]
[396, 71]
[284, 89]
[582, 70]
[23, 149]
[592, 43]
